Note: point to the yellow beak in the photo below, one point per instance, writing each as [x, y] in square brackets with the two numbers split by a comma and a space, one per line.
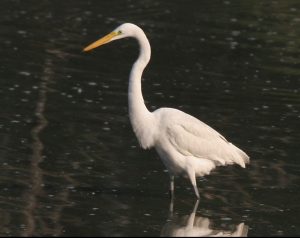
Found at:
[101, 41]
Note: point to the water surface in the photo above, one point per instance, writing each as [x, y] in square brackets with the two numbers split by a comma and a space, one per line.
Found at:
[70, 163]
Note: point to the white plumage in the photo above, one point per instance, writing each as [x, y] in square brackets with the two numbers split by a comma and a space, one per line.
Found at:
[187, 146]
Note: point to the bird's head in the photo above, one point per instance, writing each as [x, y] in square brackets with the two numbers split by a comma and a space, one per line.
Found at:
[124, 30]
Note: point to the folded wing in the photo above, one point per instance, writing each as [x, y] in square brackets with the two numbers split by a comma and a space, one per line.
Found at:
[191, 137]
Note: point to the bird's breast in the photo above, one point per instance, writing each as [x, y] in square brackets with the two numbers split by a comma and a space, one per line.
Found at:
[173, 161]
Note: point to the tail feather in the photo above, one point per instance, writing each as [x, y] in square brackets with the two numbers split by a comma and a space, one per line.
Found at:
[240, 156]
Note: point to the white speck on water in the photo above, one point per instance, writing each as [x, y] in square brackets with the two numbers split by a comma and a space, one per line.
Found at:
[265, 106]
[296, 19]
[252, 38]
[24, 73]
[88, 100]
[92, 83]
[226, 219]
[233, 45]
[21, 32]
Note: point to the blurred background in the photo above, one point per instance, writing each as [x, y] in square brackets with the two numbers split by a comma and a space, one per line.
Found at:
[70, 163]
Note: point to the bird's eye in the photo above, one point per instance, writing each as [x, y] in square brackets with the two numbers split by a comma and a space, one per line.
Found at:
[119, 32]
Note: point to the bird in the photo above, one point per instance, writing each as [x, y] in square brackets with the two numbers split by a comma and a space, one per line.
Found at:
[187, 146]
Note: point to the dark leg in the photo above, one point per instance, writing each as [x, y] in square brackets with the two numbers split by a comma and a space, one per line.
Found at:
[172, 186]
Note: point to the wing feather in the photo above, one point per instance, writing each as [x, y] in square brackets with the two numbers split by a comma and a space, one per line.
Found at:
[191, 137]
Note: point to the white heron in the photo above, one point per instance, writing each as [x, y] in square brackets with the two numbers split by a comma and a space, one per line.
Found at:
[187, 146]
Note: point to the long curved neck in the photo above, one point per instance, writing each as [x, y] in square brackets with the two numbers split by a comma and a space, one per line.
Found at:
[140, 117]
[137, 108]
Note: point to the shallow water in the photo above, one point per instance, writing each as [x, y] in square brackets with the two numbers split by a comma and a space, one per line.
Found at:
[70, 163]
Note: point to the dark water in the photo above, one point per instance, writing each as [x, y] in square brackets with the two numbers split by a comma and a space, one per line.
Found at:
[70, 163]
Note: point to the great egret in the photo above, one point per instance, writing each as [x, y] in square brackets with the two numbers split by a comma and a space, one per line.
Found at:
[187, 146]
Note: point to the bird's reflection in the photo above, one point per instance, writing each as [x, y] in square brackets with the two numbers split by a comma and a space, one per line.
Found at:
[192, 225]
